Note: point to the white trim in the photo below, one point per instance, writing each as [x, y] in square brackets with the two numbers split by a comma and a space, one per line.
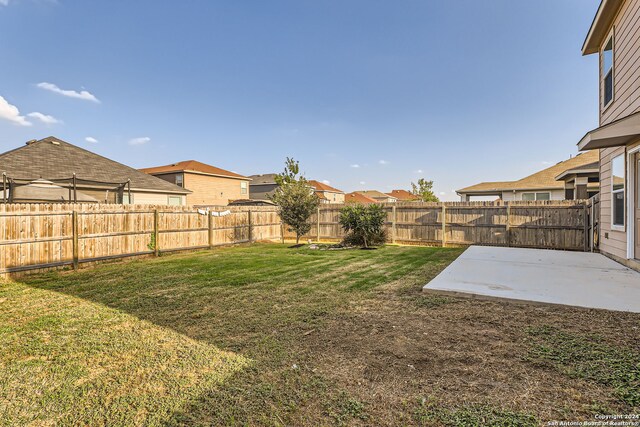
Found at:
[610, 37]
[618, 227]
[631, 197]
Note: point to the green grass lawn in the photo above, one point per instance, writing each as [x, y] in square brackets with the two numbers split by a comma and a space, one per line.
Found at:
[270, 335]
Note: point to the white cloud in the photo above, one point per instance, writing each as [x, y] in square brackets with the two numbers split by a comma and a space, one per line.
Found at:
[383, 162]
[355, 165]
[326, 181]
[442, 193]
[4, 2]
[83, 94]
[91, 140]
[44, 118]
[139, 141]
[11, 113]
[418, 171]
[362, 183]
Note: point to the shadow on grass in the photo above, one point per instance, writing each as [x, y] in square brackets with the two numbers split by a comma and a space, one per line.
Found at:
[257, 301]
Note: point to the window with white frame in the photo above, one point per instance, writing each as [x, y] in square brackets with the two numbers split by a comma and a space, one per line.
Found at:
[243, 187]
[127, 199]
[180, 180]
[607, 72]
[175, 200]
[617, 191]
[536, 196]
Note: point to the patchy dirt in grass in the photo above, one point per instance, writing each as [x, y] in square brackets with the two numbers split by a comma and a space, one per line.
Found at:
[336, 338]
[402, 349]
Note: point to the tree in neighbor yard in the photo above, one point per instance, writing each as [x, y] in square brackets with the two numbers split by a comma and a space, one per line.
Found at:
[424, 190]
[363, 225]
[295, 199]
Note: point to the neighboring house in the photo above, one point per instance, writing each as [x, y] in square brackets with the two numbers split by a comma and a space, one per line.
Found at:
[403, 196]
[570, 179]
[208, 184]
[378, 196]
[356, 197]
[52, 170]
[251, 202]
[262, 186]
[614, 36]
[326, 193]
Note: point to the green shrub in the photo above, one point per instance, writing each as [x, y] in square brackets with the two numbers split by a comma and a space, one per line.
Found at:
[363, 225]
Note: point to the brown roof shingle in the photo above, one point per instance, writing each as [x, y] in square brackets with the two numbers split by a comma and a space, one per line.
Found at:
[356, 197]
[54, 159]
[192, 166]
[542, 180]
[403, 195]
[321, 186]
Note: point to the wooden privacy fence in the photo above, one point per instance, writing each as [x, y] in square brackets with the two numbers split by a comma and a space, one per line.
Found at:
[547, 225]
[39, 236]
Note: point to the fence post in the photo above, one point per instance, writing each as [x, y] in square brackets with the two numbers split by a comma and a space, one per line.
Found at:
[210, 225]
[250, 226]
[393, 224]
[508, 229]
[74, 231]
[282, 231]
[156, 228]
[586, 227]
[444, 225]
[318, 223]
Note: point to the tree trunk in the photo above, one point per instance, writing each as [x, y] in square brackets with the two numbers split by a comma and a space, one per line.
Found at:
[297, 239]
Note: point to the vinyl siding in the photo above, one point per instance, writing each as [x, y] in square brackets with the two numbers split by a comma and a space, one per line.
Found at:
[333, 197]
[262, 191]
[626, 101]
[153, 198]
[626, 68]
[510, 195]
[213, 190]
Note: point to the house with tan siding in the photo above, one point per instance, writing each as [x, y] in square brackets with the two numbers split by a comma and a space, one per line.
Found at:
[378, 196]
[326, 193]
[208, 185]
[403, 196]
[575, 178]
[614, 36]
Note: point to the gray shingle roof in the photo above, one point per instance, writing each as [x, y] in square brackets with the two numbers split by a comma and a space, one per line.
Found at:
[52, 158]
[267, 178]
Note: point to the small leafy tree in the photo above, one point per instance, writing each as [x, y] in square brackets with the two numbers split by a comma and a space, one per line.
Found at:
[363, 225]
[295, 199]
[423, 189]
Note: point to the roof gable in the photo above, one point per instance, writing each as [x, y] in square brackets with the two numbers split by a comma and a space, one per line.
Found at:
[321, 186]
[52, 158]
[403, 195]
[192, 166]
[544, 179]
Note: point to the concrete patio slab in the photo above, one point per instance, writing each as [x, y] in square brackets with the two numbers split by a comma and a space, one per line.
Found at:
[545, 276]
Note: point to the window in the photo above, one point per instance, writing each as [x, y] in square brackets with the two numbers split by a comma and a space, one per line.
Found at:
[617, 191]
[180, 180]
[607, 72]
[175, 200]
[536, 196]
[126, 199]
[243, 187]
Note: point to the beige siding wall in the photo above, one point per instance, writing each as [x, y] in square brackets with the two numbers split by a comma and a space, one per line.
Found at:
[213, 190]
[510, 195]
[154, 198]
[334, 197]
[626, 101]
[626, 68]
[169, 177]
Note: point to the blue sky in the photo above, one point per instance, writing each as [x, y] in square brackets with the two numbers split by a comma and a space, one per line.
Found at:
[367, 94]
